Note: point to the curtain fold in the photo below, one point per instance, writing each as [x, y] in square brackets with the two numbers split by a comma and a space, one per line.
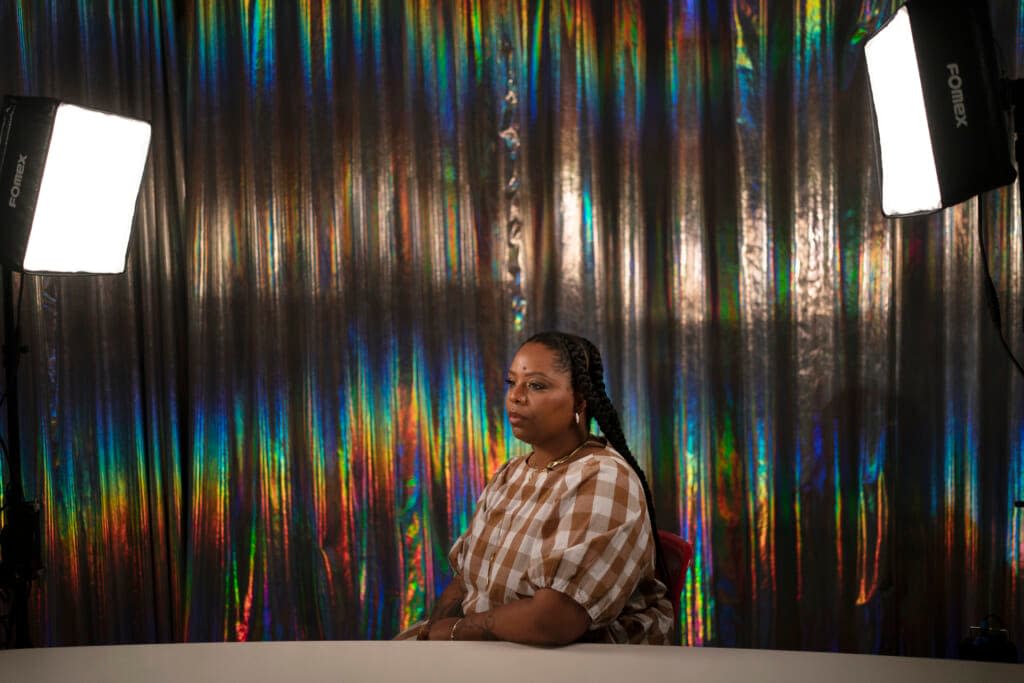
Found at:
[275, 424]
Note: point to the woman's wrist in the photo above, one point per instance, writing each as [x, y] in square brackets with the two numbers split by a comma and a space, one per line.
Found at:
[441, 629]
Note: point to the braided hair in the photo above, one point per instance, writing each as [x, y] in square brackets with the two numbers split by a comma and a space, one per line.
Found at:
[583, 361]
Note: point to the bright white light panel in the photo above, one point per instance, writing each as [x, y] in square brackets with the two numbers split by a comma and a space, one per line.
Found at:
[910, 182]
[86, 206]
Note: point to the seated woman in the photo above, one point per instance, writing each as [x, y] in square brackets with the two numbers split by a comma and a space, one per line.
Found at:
[562, 545]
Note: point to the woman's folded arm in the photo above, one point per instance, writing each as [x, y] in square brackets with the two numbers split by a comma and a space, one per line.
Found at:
[548, 618]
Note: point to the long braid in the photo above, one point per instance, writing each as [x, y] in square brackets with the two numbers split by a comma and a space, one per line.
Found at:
[586, 370]
[608, 420]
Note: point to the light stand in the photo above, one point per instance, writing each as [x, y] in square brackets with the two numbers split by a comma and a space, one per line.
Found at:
[69, 183]
[944, 117]
[20, 550]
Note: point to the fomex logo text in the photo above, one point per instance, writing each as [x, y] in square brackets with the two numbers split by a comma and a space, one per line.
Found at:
[19, 171]
[956, 94]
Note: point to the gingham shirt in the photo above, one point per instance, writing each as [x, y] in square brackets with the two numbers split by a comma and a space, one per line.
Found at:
[582, 530]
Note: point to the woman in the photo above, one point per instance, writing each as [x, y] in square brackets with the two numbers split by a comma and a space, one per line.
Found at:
[562, 545]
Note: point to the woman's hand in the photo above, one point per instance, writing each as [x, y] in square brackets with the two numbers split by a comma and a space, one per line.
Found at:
[450, 602]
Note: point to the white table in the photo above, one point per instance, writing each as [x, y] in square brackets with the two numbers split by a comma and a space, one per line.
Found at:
[479, 662]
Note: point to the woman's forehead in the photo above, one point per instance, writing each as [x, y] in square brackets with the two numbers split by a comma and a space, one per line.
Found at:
[535, 357]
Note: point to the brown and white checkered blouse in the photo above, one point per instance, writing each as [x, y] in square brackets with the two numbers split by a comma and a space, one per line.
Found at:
[580, 529]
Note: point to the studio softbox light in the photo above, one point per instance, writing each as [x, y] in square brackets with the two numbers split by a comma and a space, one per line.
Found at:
[943, 127]
[69, 180]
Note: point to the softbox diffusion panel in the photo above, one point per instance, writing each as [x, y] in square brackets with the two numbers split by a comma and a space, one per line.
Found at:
[71, 183]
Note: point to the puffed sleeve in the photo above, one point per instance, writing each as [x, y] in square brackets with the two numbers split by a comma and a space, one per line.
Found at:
[599, 546]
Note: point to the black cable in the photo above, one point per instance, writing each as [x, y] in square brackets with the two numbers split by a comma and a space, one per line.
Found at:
[991, 295]
[1014, 99]
[1018, 149]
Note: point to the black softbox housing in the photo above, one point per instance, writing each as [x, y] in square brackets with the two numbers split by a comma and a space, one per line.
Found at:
[968, 119]
[966, 103]
[24, 139]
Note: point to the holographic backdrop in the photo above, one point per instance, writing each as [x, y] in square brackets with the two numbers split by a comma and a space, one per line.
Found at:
[274, 425]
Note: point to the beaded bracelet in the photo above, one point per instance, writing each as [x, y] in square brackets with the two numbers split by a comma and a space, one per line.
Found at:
[451, 636]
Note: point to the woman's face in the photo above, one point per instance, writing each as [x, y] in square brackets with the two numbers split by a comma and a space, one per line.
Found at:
[539, 399]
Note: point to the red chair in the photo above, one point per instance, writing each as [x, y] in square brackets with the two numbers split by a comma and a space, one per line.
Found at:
[678, 555]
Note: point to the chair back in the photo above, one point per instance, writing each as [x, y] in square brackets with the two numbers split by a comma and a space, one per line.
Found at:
[678, 555]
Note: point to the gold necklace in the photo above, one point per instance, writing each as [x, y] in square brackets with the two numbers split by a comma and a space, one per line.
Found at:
[555, 463]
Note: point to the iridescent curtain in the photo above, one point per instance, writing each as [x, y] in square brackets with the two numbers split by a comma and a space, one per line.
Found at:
[274, 425]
